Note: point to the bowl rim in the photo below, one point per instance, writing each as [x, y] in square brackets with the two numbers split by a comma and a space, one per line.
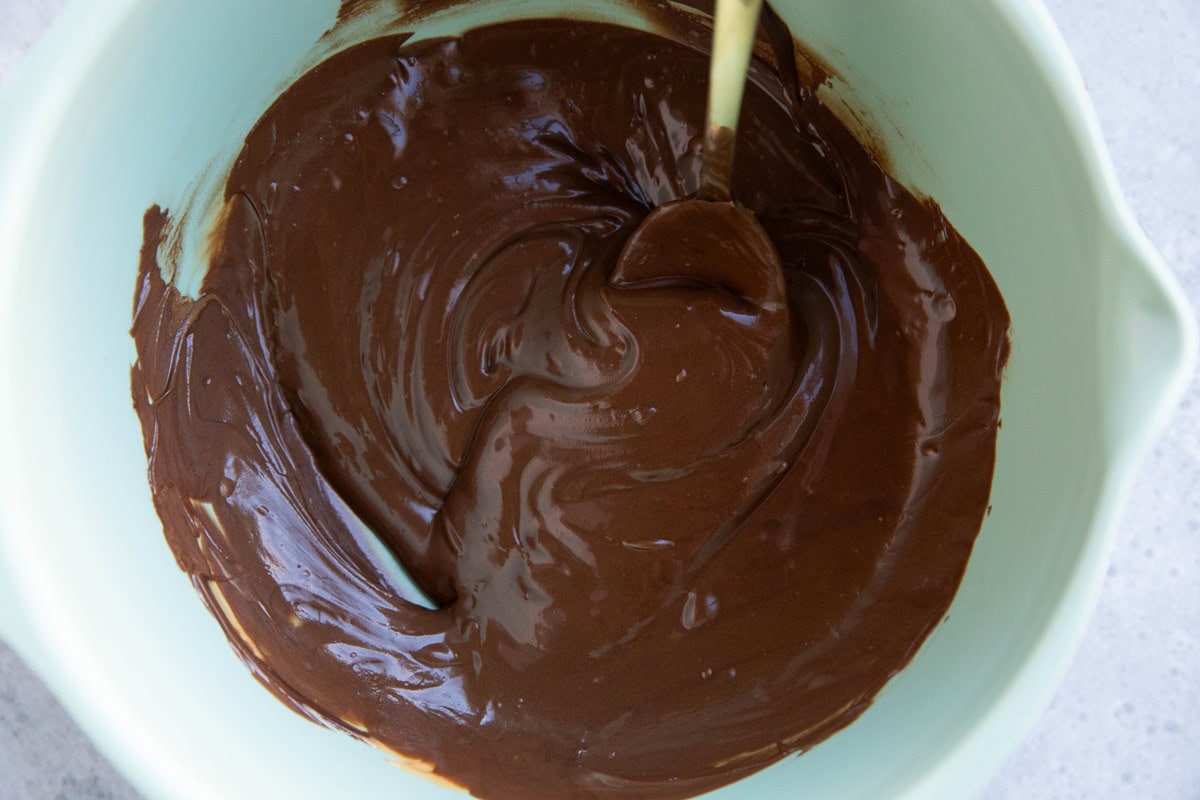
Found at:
[43, 88]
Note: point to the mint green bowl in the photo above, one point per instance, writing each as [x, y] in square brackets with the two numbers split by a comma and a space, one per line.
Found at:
[132, 102]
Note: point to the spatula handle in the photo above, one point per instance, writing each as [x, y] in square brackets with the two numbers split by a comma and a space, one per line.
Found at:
[734, 33]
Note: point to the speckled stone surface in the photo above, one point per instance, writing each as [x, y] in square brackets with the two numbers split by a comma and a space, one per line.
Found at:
[1126, 721]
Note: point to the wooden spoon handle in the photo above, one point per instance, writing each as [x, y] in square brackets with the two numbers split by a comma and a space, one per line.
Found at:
[734, 33]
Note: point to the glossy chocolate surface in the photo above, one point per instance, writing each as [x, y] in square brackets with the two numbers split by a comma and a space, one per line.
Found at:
[687, 494]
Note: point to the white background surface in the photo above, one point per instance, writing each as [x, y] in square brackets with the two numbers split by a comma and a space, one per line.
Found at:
[1126, 722]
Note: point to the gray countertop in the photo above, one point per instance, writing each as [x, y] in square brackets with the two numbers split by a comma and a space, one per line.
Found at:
[1126, 721]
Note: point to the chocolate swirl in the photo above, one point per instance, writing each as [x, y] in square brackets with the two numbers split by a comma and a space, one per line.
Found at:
[686, 493]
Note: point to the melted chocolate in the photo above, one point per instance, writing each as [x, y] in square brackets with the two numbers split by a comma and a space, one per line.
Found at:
[687, 494]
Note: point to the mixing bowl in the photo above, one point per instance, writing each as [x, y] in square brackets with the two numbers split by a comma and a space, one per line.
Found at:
[133, 102]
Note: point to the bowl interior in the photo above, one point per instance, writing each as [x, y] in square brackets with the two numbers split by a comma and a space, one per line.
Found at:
[171, 94]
